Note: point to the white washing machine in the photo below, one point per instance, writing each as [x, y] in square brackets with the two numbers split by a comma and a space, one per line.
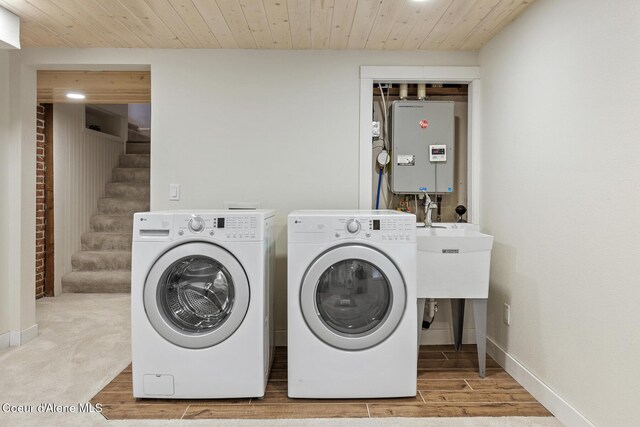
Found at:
[352, 304]
[202, 303]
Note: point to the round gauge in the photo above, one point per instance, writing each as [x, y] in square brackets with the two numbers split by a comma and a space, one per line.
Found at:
[383, 158]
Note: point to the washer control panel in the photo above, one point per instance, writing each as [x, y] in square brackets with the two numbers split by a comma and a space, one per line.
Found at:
[375, 227]
[225, 227]
[389, 229]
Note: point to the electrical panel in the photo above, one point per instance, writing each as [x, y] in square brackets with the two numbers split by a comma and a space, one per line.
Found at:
[422, 146]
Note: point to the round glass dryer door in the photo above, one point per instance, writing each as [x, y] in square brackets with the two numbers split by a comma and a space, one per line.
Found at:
[353, 297]
[196, 295]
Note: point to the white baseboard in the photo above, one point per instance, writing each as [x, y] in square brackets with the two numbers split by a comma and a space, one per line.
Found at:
[22, 337]
[5, 340]
[445, 336]
[554, 403]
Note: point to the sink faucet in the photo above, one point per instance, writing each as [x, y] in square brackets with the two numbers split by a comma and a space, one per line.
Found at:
[429, 206]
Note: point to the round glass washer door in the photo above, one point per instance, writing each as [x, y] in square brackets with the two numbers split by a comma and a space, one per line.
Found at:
[353, 297]
[196, 295]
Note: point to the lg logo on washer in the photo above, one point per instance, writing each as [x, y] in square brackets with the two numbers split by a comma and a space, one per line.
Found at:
[307, 226]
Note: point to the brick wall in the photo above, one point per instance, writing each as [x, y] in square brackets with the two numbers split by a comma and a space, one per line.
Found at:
[40, 142]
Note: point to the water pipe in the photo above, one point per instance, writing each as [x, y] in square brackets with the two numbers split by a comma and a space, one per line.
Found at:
[379, 185]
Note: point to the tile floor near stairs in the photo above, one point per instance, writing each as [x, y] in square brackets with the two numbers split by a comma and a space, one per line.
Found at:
[84, 343]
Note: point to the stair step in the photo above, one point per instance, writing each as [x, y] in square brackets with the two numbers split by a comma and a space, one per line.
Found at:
[128, 190]
[138, 136]
[138, 147]
[122, 206]
[93, 241]
[101, 260]
[97, 281]
[112, 223]
[131, 175]
[134, 160]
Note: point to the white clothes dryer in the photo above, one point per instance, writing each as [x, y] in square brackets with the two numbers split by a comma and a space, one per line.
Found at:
[202, 303]
[352, 304]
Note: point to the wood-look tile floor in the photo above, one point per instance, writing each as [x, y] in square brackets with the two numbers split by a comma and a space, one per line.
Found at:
[448, 386]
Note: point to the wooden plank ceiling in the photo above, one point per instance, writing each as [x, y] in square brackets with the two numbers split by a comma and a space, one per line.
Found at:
[99, 87]
[264, 24]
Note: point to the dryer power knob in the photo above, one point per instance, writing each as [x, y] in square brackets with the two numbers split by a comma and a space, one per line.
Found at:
[196, 224]
[353, 226]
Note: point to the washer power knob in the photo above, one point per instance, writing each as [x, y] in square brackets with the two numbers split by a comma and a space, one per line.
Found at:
[196, 224]
[353, 226]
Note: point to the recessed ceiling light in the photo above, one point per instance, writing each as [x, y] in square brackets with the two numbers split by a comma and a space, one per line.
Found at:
[75, 95]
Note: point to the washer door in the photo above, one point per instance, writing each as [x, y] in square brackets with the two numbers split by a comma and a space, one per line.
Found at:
[196, 295]
[353, 297]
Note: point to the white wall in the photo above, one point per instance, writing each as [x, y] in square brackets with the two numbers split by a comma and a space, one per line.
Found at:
[5, 246]
[83, 164]
[119, 109]
[249, 125]
[560, 174]
[9, 30]
[140, 115]
[20, 198]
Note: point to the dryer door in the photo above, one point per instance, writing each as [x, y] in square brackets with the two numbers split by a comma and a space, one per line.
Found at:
[196, 295]
[353, 297]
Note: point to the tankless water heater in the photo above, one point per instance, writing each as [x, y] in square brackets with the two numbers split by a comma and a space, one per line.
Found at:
[422, 147]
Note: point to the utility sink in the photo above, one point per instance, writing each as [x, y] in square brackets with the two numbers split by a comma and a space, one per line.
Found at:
[453, 261]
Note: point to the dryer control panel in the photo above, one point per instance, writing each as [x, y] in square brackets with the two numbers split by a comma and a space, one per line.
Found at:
[375, 226]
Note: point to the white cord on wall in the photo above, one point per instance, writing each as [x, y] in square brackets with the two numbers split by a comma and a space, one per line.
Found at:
[384, 114]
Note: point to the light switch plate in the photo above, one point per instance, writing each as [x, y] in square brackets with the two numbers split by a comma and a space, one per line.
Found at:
[506, 314]
[174, 192]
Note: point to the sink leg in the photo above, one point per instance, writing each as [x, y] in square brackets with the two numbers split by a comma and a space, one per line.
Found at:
[421, 302]
[480, 317]
[457, 314]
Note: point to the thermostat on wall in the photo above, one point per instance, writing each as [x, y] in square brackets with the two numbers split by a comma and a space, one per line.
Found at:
[437, 153]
